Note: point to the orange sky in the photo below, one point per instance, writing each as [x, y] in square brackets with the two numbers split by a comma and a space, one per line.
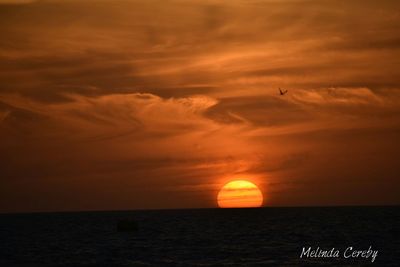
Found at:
[157, 104]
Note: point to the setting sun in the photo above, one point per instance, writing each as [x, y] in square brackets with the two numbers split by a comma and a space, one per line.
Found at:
[240, 194]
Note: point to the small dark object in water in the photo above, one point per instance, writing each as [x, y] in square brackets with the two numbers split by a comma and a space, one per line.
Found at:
[127, 226]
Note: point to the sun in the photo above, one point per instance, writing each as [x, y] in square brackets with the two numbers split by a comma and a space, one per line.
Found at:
[240, 194]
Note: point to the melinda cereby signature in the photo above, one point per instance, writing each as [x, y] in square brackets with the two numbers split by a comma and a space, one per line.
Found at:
[349, 252]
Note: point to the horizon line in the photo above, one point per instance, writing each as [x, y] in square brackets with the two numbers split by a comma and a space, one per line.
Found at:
[208, 208]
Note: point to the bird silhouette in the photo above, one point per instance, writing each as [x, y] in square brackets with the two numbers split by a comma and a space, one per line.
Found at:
[282, 92]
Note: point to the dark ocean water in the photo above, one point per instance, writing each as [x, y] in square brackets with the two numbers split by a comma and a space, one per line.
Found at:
[201, 237]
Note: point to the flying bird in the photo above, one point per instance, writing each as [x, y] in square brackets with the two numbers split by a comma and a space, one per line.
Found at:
[282, 92]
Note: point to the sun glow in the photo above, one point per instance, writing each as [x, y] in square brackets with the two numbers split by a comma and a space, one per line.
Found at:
[240, 194]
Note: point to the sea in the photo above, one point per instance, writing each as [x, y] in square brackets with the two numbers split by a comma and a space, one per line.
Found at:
[202, 237]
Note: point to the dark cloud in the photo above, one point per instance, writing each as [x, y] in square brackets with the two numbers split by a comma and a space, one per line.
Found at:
[258, 110]
[99, 45]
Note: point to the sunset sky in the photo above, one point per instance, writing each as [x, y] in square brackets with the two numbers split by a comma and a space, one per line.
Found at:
[157, 104]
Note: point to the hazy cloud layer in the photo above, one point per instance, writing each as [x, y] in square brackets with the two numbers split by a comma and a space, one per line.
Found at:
[154, 104]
